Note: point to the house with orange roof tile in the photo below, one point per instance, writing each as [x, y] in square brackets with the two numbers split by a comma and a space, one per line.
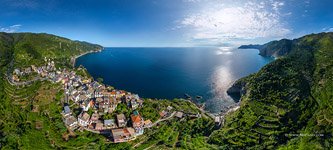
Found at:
[137, 122]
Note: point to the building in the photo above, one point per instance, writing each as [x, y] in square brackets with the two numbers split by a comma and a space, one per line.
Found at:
[67, 111]
[137, 123]
[121, 119]
[99, 126]
[17, 72]
[34, 68]
[87, 104]
[83, 119]
[94, 117]
[179, 114]
[134, 104]
[110, 123]
[122, 135]
[163, 113]
[99, 100]
[169, 108]
[15, 78]
[147, 123]
[71, 121]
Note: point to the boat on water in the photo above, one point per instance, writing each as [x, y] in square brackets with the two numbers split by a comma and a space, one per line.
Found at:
[199, 97]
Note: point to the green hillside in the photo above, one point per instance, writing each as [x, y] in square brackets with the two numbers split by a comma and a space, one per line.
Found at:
[30, 48]
[289, 96]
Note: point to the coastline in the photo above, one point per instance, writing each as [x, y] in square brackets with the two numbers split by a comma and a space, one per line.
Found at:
[73, 59]
[221, 115]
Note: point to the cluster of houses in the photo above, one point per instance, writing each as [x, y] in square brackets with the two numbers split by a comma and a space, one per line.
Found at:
[48, 70]
[101, 100]
[95, 100]
[91, 95]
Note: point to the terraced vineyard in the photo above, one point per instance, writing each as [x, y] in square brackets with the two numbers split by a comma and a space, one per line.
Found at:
[290, 96]
[21, 95]
[177, 133]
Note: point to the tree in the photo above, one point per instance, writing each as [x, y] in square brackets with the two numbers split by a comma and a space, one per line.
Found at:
[100, 80]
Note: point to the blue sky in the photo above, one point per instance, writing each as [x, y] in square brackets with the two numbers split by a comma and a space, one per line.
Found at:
[168, 23]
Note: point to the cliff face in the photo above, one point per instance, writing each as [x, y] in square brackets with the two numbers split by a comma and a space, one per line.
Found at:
[291, 95]
[238, 89]
[274, 48]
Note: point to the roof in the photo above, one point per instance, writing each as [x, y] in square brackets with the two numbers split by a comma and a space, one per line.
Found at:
[85, 116]
[94, 116]
[146, 122]
[99, 99]
[121, 117]
[121, 133]
[109, 121]
[70, 120]
[135, 112]
[179, 114]
[117, 133]
[163, 113]
[99, 125]
[217, 119]
[67, 110]
[129, 131]
[136, 118]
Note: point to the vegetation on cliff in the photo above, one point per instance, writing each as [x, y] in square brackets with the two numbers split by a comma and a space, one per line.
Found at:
[273, 48]
[30, 49]
[288, 102]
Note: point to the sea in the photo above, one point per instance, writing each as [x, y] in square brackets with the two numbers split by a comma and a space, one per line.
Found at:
[169, 73]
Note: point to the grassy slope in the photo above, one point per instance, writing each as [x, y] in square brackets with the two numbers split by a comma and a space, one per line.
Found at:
[291, 95]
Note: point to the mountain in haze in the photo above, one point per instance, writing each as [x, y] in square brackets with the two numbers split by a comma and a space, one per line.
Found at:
[251, 46]
[288, 103]
[273, 48]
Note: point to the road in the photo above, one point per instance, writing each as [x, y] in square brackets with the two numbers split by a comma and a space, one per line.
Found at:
[26, 82]
[159, 120]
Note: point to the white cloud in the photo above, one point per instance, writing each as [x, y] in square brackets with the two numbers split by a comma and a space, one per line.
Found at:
[248, 21]
[192, 1]
[276, 5]
[11, 29]
[328, 29]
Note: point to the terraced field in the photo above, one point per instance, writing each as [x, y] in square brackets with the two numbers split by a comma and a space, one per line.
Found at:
[173, 134]
[21, 95]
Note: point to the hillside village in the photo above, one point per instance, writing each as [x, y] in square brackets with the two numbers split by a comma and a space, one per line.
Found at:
[95, 101]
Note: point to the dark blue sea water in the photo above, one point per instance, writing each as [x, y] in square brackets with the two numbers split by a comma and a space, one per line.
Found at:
[171, 72]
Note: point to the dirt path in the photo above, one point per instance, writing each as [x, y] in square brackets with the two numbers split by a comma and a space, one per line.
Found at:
[160, 120]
